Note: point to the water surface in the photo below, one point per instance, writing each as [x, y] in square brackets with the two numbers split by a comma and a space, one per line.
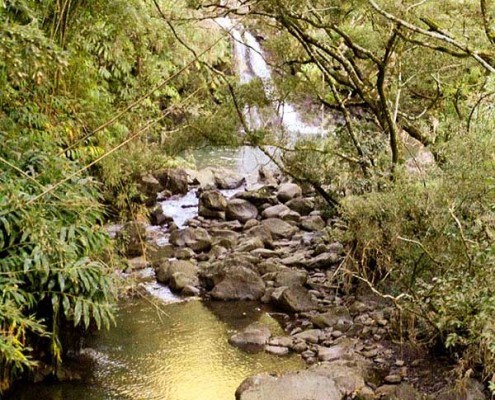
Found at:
[178, 351]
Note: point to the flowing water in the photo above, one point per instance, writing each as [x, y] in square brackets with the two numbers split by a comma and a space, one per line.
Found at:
[164, 348]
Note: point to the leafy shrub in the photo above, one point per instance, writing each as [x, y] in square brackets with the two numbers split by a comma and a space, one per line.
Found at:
[432, 240]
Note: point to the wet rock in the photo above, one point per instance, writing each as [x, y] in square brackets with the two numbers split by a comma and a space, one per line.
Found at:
[182, 279]
[191, 291]
[282, 341]
[290, 278]
[312, 223]
[174, 180]
[138, 263]
[226, 179]
[291, 386]
[337, 318]
[159, 253]
[294, 299]
[261, 232]
[303, 206]
[196, 239]
[166, 268]
[224, 237]
[277, 350]
[184, 253]
[274, 211]
[239, 283]
[149, 186]
[250, 244]
[212, 204]
[288, 191]
[241, 210]
[252, 339]
[265, 194]
[309, 336]
[158, 217]
[279, 228]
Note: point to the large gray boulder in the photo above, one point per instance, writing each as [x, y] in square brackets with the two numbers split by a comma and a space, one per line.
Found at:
[290, 277]
[279, 229]
[301, 205]
[288, 191]
[299, 385]
[241, 210]
[312, 223]
[252, 339]
[294, 299]
[174, 180]
[212, 204]
[226, 179]
[238, 283]
[258, 197]
[196, 239]
[178, 274]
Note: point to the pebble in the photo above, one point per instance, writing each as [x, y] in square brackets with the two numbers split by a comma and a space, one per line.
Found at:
[399, 363]
[393, 378]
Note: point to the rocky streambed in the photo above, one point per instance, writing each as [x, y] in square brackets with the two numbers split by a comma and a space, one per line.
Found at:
[270, 242]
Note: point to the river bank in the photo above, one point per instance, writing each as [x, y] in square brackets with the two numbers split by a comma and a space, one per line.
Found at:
[270, 242]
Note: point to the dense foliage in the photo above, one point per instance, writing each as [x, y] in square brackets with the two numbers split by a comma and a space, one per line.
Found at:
[92, 95]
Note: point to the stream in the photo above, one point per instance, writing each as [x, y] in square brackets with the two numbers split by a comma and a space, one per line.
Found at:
[164, 347]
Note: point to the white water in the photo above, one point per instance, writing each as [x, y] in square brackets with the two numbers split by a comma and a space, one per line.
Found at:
[251, 64]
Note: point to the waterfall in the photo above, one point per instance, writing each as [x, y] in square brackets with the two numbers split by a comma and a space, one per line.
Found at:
[250, 64]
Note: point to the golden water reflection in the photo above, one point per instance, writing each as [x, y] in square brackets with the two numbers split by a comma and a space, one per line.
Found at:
[180, 355]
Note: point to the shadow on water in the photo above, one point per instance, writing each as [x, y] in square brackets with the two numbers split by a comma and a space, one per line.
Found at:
[177, 351]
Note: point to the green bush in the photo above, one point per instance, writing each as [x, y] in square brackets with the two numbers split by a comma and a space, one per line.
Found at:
[432, 239]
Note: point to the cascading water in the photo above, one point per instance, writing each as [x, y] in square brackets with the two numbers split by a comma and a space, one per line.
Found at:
[251, 64]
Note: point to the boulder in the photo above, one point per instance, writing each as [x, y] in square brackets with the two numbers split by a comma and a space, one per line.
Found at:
[241, 210]
[238, 283]
[274, 211]
[213, 200]
[297, 385]
[158, 217]
[294, 299]
[324, 260]
[164, 269]
[174, 180]
[226, 179]
[205, 178]
[310, 335]
[312, 223]
[288, 191]
[263, 195]
[301, 205]
[196, 239]
[138, 263]
[290, 278]
[279, 229]
[337, 318]
[252, 339]
[149, 186]
[212, 204]
[262, 232]
[250, 244]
